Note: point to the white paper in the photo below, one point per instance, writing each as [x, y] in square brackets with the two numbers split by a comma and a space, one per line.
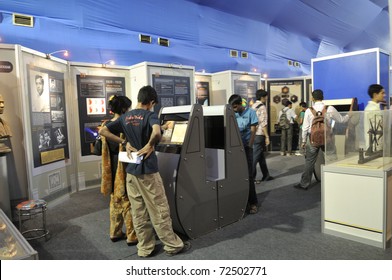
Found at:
[123, 157]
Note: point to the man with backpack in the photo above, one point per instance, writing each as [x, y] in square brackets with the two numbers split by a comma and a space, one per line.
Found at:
[314, 123]
[286, 121]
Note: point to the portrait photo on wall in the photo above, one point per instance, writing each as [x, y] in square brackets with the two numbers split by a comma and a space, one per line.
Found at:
[48, 113]
[39, 91]
[59, 135]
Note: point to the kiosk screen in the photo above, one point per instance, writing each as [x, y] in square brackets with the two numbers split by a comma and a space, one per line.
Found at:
[173, 136]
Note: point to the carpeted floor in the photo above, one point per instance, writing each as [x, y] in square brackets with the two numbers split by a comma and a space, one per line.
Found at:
[287, 227]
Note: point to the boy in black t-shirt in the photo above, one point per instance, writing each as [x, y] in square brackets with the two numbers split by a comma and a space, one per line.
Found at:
[149, 206]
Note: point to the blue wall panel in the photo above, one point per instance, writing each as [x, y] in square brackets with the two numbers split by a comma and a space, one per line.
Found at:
[347, 76]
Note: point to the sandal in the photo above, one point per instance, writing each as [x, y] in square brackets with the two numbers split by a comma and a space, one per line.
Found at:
[253, 209]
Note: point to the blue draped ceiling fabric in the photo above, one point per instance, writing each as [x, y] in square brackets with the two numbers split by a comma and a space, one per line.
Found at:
[201, 32]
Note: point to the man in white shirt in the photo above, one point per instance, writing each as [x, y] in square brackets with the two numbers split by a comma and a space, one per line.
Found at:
[373, 112]
[262, 139]
[286, 138]
[311, 151]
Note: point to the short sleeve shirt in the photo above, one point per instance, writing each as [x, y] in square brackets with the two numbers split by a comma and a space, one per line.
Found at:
[137, 128]
[245, 120]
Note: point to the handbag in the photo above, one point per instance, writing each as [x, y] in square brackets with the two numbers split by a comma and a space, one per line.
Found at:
[98, 147]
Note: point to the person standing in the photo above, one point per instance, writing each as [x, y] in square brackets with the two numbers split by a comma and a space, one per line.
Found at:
[149, 205]
[262, 139]
[377, 95]
[113, 179]
[302, 107]
[247, 122]
[311, 151]
[286, 139]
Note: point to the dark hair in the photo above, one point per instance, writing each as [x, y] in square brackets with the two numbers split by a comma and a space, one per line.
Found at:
[119, 104]
[38, 77]
[285, 102]
[261, 93]
[146, 95]
[373, 89]
[235, 99]
[303, 104]
[318, 95]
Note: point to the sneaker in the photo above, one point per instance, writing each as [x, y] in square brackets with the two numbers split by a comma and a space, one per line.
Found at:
[298, 154]
[187, 246]
[253, 209]
[299, 187]
[258, 181]
[282, 153]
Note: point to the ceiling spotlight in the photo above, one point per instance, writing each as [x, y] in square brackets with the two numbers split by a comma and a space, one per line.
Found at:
[265, 76]
[65, 53]
[110, 62]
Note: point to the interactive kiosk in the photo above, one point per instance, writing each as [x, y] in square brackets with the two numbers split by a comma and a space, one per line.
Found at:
[203, 167]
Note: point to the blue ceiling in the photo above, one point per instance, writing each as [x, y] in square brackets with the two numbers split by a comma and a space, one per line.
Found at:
[201, 32]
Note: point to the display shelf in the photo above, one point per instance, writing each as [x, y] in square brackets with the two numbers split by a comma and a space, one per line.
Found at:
[13, 246]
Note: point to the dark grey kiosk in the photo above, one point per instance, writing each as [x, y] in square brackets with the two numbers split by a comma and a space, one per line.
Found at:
[203, 167]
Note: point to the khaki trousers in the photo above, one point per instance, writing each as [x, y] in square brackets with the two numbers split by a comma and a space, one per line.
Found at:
[150, 210]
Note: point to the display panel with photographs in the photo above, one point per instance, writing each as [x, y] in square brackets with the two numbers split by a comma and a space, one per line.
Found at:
[47, 116]
[247, 90]
[93, 95]
[171, 90]
[292, 90]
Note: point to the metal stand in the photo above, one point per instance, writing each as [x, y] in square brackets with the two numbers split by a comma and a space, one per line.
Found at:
[29, 209]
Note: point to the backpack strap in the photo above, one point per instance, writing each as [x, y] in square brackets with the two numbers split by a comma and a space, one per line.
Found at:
[258, 106]
[313, 111]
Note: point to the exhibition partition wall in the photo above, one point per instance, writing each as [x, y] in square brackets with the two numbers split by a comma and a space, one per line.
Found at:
[92, 86]
[48, 138]
[36, 91]
[174, 83]
[349, 75]
[226, 83]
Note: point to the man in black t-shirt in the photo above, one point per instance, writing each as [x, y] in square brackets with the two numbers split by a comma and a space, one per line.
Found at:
[149, 206]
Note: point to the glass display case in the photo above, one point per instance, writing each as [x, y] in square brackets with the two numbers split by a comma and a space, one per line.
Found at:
[356, 180]
[363, 142]
[13, 246]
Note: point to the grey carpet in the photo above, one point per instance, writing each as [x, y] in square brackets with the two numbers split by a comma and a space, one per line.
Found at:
[287, 227]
